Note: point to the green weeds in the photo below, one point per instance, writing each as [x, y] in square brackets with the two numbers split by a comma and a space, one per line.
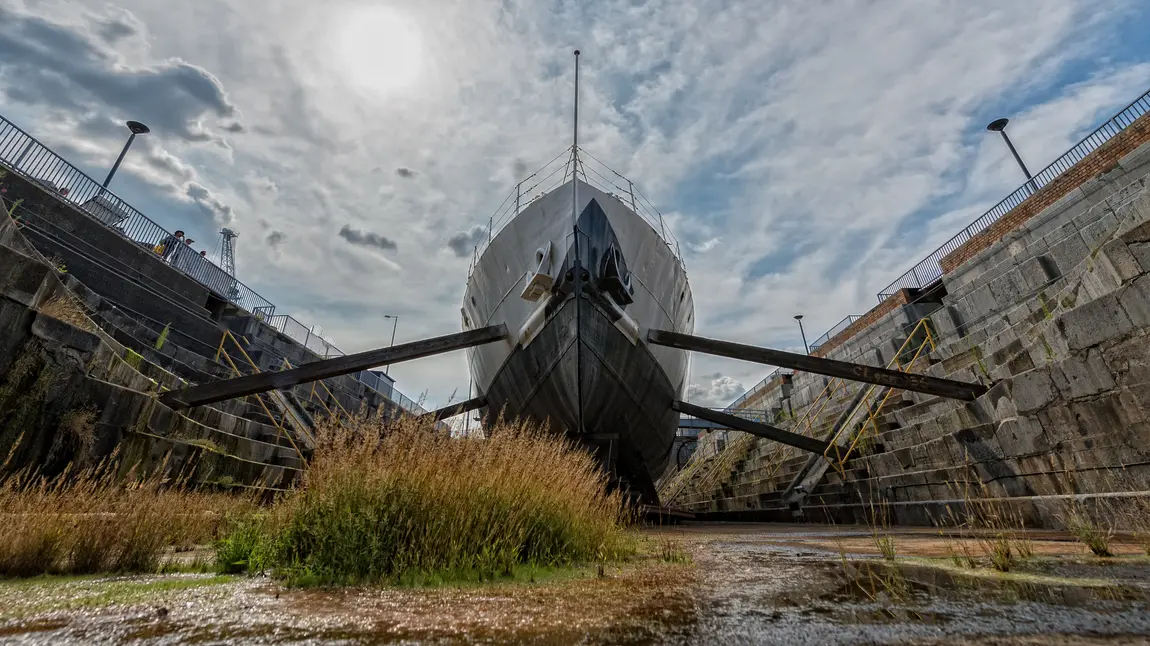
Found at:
[402, 504]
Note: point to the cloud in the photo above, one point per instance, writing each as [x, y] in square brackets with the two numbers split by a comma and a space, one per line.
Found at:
[802, 163]
[715, 390]
[366, 238]
[463, 244]
[72, 67]
[276, 238]
[220, 213]
[118, 24]
[705, 245]
[405, 173]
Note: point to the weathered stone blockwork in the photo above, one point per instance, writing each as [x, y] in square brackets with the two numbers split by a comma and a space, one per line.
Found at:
[1054, 316]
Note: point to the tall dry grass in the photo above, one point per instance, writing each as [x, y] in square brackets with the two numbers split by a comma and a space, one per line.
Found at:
[90, 520]
[998, 528]
[404, 504]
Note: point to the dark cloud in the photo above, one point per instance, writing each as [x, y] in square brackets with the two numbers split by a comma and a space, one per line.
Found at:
[276, 238]
[519, 168]
[462, 244]
[167, 163]
[366, 238]
[405, 173]
[219, 211]
[117, 25]
[69, 68]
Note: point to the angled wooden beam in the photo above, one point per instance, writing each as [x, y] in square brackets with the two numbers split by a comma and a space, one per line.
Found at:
[451, 410]
[264, 381]
[754, 428]
[948, 388]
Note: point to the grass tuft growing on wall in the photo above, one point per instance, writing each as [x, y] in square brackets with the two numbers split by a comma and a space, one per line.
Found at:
[402, 504]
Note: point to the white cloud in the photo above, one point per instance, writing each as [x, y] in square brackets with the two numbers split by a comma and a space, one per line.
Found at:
[715, 390]
[789, 145]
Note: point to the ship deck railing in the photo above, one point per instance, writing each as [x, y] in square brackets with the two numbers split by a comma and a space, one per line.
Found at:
[590, 171]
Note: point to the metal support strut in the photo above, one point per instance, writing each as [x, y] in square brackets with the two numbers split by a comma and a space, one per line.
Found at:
[818, 447]
[451, 410]
[265, 381]
[948, 388]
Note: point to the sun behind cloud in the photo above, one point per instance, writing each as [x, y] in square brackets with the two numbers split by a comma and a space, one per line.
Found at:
[377, 48]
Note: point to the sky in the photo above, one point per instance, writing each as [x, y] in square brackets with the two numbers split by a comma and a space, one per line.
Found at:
[805, 153]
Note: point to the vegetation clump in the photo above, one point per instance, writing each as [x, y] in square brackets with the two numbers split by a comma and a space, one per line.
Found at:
[90, 520]
[1092, 534]
[403, 503]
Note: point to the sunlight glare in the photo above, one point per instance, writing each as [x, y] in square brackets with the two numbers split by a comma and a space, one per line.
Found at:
[379, 49]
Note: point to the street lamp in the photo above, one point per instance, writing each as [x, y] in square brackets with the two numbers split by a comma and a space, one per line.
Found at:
[394, 323]
[799, 318]
[137, 128]
[999, 126]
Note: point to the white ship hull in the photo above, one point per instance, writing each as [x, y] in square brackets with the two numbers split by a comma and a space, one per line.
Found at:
[584, 367]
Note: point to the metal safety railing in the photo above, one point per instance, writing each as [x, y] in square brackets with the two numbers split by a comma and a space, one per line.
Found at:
[339, 413]
[221, 352]
[805, 426]
[26, 156]
[758, 388]
[591, 171]
[930, 269]
[909, 347]
[834, 331]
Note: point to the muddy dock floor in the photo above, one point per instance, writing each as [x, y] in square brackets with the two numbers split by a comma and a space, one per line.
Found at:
[761, 584]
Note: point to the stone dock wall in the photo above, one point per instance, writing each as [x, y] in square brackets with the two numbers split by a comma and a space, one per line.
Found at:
[94, 325]
[1052, 314]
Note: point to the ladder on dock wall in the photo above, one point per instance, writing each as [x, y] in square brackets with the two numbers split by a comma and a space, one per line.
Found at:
[904, 360]
[851, 434]
[288, 415]
[846, 436]
[805, 425]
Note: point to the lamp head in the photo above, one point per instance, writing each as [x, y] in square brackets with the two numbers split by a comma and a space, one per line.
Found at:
[998, 125]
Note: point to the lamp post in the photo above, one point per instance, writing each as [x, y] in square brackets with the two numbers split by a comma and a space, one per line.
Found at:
[394, 323]
[799, 318]
[137, 128]
[999, 126]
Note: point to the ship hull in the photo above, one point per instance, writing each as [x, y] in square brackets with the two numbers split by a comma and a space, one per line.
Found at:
[577, 358]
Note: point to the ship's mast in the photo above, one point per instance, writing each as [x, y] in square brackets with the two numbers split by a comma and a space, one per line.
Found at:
[575, 156]
[578, 268]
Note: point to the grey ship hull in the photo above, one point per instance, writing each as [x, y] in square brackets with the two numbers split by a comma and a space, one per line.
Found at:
[584, 367]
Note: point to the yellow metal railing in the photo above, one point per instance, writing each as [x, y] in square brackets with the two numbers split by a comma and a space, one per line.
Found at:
[221, 352]
[804, 426]
[314, 396]
[871, 423]
[714, 467]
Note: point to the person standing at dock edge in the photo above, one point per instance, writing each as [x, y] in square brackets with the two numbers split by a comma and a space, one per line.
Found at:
[169, 244]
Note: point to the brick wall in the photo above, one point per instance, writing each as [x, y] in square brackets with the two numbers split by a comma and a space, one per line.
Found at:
[1102, 160]
[756, 401]
[897, 299]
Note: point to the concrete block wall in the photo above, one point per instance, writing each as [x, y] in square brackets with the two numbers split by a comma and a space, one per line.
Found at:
[51, 369]
[134, 296]
[65, 221]
[1054, 316]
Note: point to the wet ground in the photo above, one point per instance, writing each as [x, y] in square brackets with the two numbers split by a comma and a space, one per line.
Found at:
[762, 584]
